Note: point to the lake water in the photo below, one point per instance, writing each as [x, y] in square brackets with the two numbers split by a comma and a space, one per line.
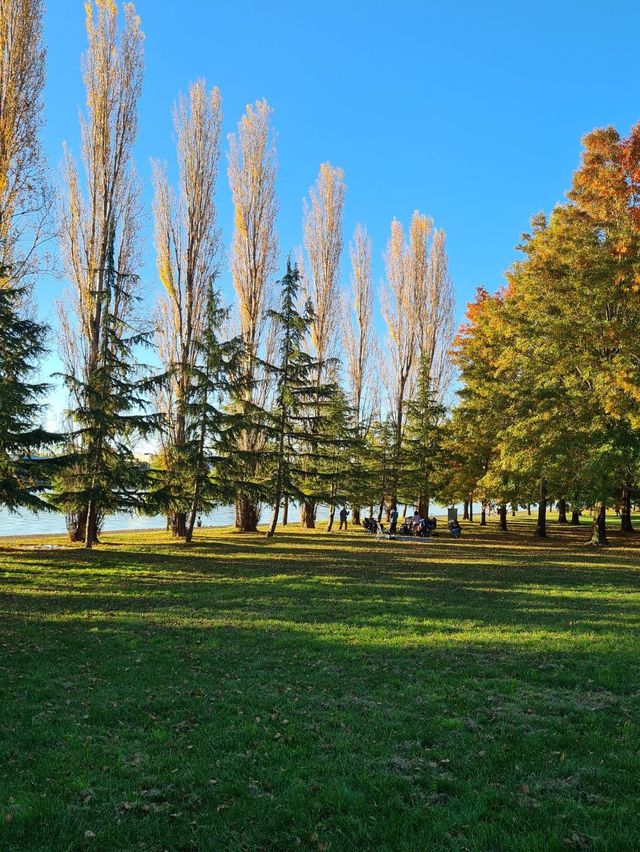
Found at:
[50, 523]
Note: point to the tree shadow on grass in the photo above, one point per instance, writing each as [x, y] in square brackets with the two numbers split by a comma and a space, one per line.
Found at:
[460, 672]
[359, 593]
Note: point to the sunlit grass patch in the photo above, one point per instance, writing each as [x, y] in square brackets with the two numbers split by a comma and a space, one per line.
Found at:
[321, 691]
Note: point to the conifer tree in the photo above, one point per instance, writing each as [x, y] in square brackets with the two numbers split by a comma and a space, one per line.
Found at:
[22, 474]
[340, 443]
[211, 440]
[109, 415]
[421, 451]
[294, 391]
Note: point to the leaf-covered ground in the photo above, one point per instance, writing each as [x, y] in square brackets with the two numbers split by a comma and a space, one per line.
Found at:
[323, 692]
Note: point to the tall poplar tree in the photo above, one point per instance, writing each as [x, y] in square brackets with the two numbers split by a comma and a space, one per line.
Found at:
[323, 243]
[254, 253]
[25, 202]
[187, 241]
[359, 347]
[101, 249]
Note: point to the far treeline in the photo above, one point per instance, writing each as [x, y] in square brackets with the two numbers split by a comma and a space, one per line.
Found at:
[255, 406]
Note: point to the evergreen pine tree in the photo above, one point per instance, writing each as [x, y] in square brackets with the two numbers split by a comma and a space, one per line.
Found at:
[422, 443]
[198, 478]
[294, 393]
[23, 475]
[111, 398]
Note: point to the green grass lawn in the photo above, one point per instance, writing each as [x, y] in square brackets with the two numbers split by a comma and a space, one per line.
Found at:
[323, 692]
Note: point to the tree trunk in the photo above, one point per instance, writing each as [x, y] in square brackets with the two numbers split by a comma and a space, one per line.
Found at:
[575, 517]
[625, 511]
[274, 517]
[77, 532]
[599, 530]
[471, 510]
[465, 513]
[528, 508]
[502, 514]
[332, 514]
[380, 510]
[247, 513]
[355, 516]
[513, 510]
[541, 525]
[285, 512]
[308, 514]
[178, 524]
[423, 506]
[188, 533]
[91, 527]
[562, 511]
[483, 516]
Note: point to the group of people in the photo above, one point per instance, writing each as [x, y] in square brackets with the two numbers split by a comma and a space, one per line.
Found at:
[414, 525]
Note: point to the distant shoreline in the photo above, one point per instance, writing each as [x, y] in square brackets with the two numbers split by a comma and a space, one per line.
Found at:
[14, 536]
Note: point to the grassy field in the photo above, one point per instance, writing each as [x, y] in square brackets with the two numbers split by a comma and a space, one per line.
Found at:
[321, 692]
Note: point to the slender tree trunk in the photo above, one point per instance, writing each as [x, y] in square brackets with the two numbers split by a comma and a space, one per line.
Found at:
[91, 527]
[502, 514]
[625, 511]
[308, 514]
[575, 517]
[200, 472]
[332, 514]
[355, 517]
[380, 510]
[465, 513]
[599, 530]
[528, 508]
[274, 517]
[371, 510]
[285, 512]
[541, 525]
[247, 513]
[483, 516]
[562, 511]
[470, 510]
[188, 534]
[513, 510]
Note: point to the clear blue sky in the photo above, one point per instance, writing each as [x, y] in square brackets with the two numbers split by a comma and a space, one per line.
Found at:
[471, 112]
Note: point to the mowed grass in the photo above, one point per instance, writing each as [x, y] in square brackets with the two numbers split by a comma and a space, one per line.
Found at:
[324, 692]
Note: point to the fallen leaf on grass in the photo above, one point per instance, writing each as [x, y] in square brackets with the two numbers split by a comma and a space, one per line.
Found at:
[578, 840]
